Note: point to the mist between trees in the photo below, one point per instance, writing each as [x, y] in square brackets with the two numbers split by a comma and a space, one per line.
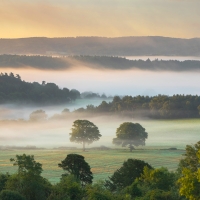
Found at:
[14, 90]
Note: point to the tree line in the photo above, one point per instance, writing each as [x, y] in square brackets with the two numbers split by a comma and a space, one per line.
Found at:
[14, 90]
[159, 107]
[105, 62]
[134, 180]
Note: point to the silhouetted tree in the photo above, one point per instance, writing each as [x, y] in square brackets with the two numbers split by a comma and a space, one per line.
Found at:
[76, 165]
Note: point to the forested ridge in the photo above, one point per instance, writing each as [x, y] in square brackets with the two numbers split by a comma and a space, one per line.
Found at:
[121, 46]
[97, 62]
[14, 90]
[40, 62]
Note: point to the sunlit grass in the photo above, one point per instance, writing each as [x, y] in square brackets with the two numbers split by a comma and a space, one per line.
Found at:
[103, 163]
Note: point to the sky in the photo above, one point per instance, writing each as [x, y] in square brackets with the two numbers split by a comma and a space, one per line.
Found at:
[109, 18]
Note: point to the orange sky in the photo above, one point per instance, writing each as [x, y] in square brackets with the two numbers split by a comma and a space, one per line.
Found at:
[111, 18]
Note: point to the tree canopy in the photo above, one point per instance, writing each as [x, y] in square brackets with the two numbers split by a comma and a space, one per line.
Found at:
[130, 134]
[189, 167]
[14, 90]
[76, 165]
[124, 176]
[10, 195]
[159, 107]
[27, 165]
[28, 180]
[85, 132]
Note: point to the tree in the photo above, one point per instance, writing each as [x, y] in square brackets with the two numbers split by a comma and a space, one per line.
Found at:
[98, 191]
[74, 94]
[125, 176]
[159, 178]
[11, 75]
[198, 109]
[84, 132]
[130, 134]
[10, 195]
[18, 76]
[28, 180]
[68, 188]
[27, 165]
[76, 165]
[3, 180]
[189, 168]
[38, 115]
[190, 159]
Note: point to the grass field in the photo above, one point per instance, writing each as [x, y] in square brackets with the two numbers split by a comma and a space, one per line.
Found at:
[103, 163]
[162, 134]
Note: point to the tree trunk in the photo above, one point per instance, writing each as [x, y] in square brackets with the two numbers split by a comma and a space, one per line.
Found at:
[83, 145]
[131, 148]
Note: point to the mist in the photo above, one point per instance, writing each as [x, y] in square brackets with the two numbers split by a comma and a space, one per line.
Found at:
[116, 82]
[17, 130]
[20, 111]
[55, 133]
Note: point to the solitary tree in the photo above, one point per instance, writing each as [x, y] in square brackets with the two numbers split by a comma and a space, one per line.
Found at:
[76, 165]
[130, 134]
[84, 132]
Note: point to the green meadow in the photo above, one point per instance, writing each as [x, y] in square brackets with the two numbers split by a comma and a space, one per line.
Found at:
[103, 163]
[162, 134]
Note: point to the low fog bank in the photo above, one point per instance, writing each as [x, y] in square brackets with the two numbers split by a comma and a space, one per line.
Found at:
[54, 132]
[20, 111]
[111, 82]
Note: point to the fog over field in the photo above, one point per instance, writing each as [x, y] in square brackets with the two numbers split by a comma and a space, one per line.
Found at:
[55, 133]
[49, 134]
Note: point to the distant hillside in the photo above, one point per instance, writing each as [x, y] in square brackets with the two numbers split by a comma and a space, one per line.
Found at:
[122, 46]
[14, 90]
[97, 62]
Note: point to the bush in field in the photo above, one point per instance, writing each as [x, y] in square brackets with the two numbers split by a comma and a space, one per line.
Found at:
[123, 177]
[130, 134]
